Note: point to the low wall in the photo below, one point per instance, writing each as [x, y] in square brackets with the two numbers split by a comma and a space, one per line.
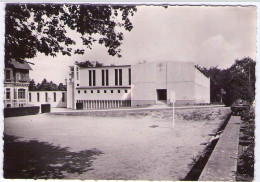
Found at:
[222, 163]
[54, 98]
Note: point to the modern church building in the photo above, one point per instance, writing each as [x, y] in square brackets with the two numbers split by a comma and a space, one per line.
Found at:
[142, 84]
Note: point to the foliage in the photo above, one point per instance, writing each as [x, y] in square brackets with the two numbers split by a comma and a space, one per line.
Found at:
[32, 28]
[46, 86]
[236, 82]
[21, 111]
[246, 157]
[89, 64]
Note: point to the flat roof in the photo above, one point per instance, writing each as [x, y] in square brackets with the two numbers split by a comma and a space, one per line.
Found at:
[105, 67]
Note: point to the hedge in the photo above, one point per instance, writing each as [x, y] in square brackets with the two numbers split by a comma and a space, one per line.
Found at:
[79, 105]
[45, 108]
[21, 111]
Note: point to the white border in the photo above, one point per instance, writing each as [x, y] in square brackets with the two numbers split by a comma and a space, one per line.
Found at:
[187, 2]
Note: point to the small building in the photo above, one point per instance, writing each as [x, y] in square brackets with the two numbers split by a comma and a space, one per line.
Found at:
[137, 85]
[16, 83]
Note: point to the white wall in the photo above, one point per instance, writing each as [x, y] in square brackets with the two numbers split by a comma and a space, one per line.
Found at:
[202, 87]
[58, 103]
[84, 76]
[102, 95]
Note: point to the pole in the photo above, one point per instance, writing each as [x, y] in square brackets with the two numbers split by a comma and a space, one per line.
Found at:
[173, 114]
[173, 109]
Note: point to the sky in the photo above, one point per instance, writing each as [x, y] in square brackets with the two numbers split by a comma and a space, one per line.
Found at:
[205, 35]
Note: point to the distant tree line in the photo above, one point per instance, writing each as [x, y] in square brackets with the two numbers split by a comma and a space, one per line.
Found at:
[46, 86]
[236, 82]
[91, 64]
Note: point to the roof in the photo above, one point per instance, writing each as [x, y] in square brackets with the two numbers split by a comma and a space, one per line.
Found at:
[114, 66]
[18, 65]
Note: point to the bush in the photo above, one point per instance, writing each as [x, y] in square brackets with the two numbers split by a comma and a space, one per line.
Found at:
[45, 108]
[21, 111]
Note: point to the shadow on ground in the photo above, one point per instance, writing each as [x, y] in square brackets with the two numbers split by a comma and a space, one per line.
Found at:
[41, 160]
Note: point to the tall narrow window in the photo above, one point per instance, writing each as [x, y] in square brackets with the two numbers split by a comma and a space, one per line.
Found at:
[21, 93]
[103, 77]
[77, 73]
[116, 77]
[63, 97]
[90, 77]
[107, 78]
[46, 97]
[7, 75]
[30, 97]
[8, 93]
[38, 97]
[129, 76]
[120, 76]
[54, 96]
[94, 77]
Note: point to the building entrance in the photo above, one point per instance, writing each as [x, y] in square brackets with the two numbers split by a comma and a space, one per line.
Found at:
[161, 94]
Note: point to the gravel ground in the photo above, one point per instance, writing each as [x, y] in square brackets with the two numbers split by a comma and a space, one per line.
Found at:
[130, 145]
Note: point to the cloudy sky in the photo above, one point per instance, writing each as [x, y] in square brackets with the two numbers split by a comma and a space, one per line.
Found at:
[208, 36]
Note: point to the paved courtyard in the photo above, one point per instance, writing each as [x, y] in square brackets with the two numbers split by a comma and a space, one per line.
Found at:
[93, 147]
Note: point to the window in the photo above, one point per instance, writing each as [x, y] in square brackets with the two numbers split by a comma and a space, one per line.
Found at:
[77, 73]
[120, 76]
[112, 91]
[8, 105]
[46, 97]
[125, 91]
[63, 97]
[118, 91]
[107, 78]
[85, 91]
[105, 91]
[90, 77]
[129, 76]
[22, 77]
[92, 91]
[54, 96]
[116, 76]
[38, 97]
[8, 93]
[7, 75]
[30, 97]
[94, 77]
[77, 84]
[103, 77]
[79, 91]
[98, 91]
[21, 93]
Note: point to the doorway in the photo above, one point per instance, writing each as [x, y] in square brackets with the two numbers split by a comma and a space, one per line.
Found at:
[161, 94]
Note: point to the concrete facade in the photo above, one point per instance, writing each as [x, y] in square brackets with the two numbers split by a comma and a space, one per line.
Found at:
[137, 85]
[103, 87]
[55, 98]
[189, 84]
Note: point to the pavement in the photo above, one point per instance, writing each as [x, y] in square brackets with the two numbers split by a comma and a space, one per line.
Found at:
[131, 148]
[222, 163]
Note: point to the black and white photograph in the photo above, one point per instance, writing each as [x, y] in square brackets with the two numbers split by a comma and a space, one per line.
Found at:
[125, 91]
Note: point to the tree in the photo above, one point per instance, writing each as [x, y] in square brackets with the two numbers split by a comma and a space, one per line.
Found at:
[32, 86]
[238, 81]
[32, 28]
[89, 64]
[62, 87]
